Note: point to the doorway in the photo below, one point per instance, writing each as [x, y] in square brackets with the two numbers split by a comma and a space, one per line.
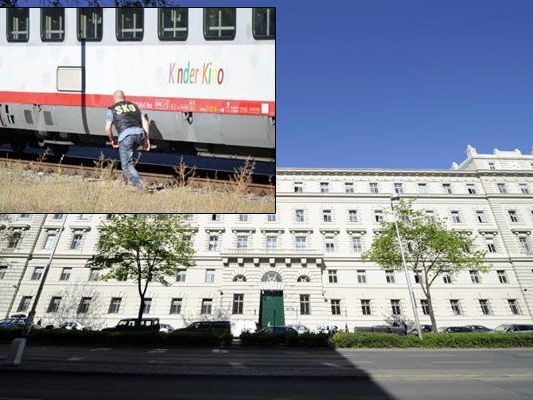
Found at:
[272, 311]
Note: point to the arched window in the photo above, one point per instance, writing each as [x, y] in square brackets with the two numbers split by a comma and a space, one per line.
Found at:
[271, 276]
[239, 278]
[303, 278]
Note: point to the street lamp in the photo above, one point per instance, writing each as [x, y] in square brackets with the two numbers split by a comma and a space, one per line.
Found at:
[407, 278]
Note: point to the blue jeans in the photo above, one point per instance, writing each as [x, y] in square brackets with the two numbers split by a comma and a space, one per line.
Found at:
[129, 156]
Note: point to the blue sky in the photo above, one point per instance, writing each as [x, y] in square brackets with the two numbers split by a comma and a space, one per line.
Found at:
[400, 84]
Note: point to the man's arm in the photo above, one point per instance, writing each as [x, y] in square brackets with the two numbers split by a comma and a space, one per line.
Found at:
[109, 130]
[146, 127]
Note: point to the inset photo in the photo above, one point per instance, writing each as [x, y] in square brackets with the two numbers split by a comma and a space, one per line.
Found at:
[163, 109]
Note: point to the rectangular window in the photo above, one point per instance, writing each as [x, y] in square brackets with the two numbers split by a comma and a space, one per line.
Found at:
[474, 277]
[77, 241]
[447, 278]
[52, 24]
[471, 188]
[50, 240]
[298, 187]
[485, 307]
[357, 244]
[361, 276]
[492, 166]
[353, 216]
[305, 304]
[378, 215]
[271, 242]
[58, 216]
[513, 305]
[430, 216]
[513, 215]
[335, 307]
[65, 274]
[326, 216]
[18, 24]
[37, 273]
[209, 276]
[85, 303]
[374, 188]
[524, 188]
[271, 217]
[147, 305]
[215, 217]
[502, 188]
[90, 24]
[301, 242]
[422, 188]
[365, 307]
[524, 244]
[94, 274]
[447, 188]
[220, 23]
[175, 306]
[417, 276]
[330, 244]
[243, 217]
[264, 23]
[53, 307]
[456, 307]
[14, 239]
[238, 303]
[114, 305]
[502, 276]
[481, 216]
[491, 246]
[181, 275]
[3, 271]
[456, 217]
[299, 214]
[129, 24]
[395, 307]
[324, 187]
[348, 187]
[173, 23]
[425, 306]
[213, 243]
[332, 276]
[389, 276]
[207, 305]
[24, 304]
[398, 188]
[242, 242]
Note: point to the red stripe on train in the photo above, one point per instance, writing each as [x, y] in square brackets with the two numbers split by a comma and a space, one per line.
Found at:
[215, 106]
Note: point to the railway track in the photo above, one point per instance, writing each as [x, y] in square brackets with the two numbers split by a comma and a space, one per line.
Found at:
[156, 176]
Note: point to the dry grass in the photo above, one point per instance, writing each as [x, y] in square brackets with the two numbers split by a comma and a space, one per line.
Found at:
[32, 191]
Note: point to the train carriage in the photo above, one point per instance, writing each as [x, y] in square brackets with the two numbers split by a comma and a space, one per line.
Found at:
[205, 77]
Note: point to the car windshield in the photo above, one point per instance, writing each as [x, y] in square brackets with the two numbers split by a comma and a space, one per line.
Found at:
[501, 328]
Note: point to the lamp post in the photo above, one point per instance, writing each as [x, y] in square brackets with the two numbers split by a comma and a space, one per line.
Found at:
[407, 278]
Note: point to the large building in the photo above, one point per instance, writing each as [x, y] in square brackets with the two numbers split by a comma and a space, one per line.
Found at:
[303, 264]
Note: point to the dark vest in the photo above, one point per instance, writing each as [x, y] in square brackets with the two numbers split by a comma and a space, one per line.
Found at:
[126, 115]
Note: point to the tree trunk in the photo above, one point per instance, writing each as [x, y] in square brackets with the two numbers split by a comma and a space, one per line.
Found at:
[141, 312]
[431, 312]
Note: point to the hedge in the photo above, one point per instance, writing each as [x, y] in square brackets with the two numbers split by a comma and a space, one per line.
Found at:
[432, 340]
[304, 340]
[64, 336]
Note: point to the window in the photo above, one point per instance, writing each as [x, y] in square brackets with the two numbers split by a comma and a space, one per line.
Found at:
[264, 23]
[422, 188]
[485, 307]
[239, 278]
[213, 243]
[114, 306]
[238, 303]
[299, 214]
[189, 217]
[90, 24]
[301, 242]
[242, 242]
[502, 276]
[298, 187]
[524, 244]
[76, 241]
[417, 276]
[456, 217]
[271, 242]
[430, 216]
[209, 276]
[332, 276]
[502, 188]
[24, 304]
[330, 244]
[243, 217]
[389, 276]
[37, 273]
[471, 188]
[456, 307]
[326, 216]
[271, 217]
[492, 166]
[491, 246]
[220, 23]
[173, 23]
[130, 24]
[335, 307]
[374, 187]
[181, 275]
[378, 215]
[357, 244]
[513, 305]
[303, 278]
[398, 188]
[207, 305]
[513, 215]
[365, 307]
[3, 271]
[215, 217]
[361, 276]
[52, 24]
[84, 305]
[175, 305]
[147, 305]
[324, 187]
[14, 239]
[447, 188]
[94, 274]
[305, 305]
[447, 278]
[271, 276]
[348, 187]
[65, 274]
[18, 24]
[425, 306]
[395, 307]
[353, 216]
[58, 216]
[53, 307]
[481, 216]
[474, 276]
[50, 240]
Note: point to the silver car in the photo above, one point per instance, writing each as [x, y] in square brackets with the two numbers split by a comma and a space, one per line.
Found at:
[518, 328]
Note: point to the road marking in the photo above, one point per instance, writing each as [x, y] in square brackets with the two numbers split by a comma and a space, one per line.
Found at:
[75, 359]
[525, 355]
[332, 365]
[101, 349]
[460, 362]
[220, 351]
[156, 362]
[17, 398]
[431, 355]
[236, 364]
[158, 351]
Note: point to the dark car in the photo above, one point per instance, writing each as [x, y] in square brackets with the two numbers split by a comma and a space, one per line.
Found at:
[479, 328]
[130, 324]
[456, 329]
[216, 327]
[278, 333]
[381, 329]
[423, 328]
[13, 323]
[525, 328]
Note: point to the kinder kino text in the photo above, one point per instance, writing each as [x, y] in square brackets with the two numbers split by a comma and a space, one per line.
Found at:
[208, 74]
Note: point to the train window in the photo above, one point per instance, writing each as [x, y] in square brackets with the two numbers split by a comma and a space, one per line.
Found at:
[220, 23]
[173, 23]
[18, 24]
[90, 24]
[130, 24]
[52, 24]
[264, 23]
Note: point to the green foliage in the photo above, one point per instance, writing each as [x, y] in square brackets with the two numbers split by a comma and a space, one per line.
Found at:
[305, 340]
[432, 340]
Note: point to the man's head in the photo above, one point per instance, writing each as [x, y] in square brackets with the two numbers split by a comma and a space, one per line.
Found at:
[118, 96]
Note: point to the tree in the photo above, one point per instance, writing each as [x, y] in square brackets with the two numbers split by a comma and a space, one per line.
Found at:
[431, 249]
[145, 247]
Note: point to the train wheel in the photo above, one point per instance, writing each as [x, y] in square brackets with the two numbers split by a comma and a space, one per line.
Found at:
[18, 144]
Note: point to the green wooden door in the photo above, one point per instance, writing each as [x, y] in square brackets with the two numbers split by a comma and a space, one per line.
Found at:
[272, 310]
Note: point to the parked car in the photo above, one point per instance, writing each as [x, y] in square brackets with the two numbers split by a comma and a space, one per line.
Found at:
[216, 327]
[166, 328]
[328, 329]
[522, 328]
[130, 324]
[423, 328]
[300, 329]
[280, 333]
[381, 329]
[479, 328]
[12, 323]
[73, 326]
[456, 329]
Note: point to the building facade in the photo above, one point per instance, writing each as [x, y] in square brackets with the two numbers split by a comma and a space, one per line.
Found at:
[303, 264]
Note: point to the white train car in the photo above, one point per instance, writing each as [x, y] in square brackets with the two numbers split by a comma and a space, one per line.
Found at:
[205, 77]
